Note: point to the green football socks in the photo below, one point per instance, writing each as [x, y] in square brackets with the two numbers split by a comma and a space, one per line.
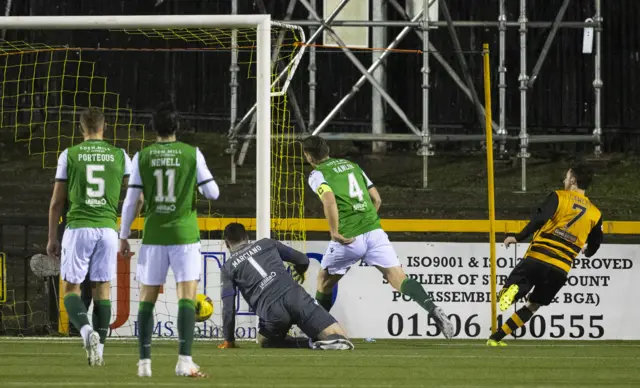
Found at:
[101, 318]
[325, 300]
[76, 310]
[145, 329]
[186, 324]
[414, 290]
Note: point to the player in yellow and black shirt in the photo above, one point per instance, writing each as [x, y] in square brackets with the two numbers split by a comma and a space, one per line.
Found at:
[561, 226]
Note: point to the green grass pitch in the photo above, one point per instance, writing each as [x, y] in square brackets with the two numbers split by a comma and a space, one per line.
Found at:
[405, 364]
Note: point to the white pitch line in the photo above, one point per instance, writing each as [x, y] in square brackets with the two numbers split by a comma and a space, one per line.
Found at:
[425, 343]
[196, 381]
[213, 383]
[232, 354]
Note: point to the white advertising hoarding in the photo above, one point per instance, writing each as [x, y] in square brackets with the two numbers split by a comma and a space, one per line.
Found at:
[590, 306]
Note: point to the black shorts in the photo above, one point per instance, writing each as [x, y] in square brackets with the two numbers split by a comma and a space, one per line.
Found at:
[545, 279]
[296, 307]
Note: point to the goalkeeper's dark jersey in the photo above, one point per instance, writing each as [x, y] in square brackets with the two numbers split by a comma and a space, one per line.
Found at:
[258, 272]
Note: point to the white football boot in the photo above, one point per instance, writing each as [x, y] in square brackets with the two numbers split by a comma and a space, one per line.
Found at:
[91, 346]
[187, 368]
[443, 322]
[144, 368]
[333, 344]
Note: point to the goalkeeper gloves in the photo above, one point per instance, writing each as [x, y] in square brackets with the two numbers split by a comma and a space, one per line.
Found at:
[298, 276]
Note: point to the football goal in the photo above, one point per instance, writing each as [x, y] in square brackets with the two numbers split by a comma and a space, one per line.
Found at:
[46, 85]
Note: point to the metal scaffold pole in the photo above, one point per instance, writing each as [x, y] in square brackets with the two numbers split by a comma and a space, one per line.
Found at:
[524, 79]
[425, 148]
[433, 52]
[274, 65]
[421, 24]
[313, 68]
[548, 42]
[233, 69]
[390, 101]
[456, 23]
[597, 82]
[502, 81]
[356, 88]
[463, 63]
[379, 38]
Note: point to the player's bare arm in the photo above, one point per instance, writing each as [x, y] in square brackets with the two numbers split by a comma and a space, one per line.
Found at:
[125, 248]
[139, 205]
[130, 209]
[331, 214]
[58, 199]
[207, 186]
[375, 197]
[541, 215]
[373, 192]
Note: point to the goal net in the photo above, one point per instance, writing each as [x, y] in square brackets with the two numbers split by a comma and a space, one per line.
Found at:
[45, 86]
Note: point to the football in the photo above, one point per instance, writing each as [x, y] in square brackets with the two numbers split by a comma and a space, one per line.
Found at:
[204, 307]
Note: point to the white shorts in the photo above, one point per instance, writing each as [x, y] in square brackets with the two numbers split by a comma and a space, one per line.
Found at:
[92, 250]
[372, 247]
[154, 262]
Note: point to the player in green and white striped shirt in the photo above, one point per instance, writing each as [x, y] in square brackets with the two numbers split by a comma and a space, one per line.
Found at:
[351, 203]
[166, 175]
[90, 176]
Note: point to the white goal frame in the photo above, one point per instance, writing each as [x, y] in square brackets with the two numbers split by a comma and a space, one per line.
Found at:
[262, 23]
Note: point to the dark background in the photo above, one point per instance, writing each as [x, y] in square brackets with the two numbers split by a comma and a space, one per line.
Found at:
[562, 100]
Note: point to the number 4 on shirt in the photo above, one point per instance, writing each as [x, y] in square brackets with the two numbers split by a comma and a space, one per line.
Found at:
[354, 188]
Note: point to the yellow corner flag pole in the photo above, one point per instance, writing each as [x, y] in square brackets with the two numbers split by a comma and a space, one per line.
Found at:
[492, 204]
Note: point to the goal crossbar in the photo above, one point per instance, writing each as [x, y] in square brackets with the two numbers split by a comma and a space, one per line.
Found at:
[103, 22]
[262, 24]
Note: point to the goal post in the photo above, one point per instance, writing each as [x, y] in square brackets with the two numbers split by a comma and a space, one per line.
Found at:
[45, 85]
[262, 24]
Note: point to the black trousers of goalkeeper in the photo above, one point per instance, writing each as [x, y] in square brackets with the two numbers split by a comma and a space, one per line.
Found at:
[296, 307]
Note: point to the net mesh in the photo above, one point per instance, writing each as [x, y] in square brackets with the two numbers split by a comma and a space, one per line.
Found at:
[45, 87]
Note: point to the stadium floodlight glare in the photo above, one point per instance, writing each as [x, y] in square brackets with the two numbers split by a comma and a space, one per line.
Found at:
[262, 23]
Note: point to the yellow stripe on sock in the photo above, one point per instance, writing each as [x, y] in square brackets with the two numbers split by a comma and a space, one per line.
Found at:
[517, 320]
[507, 330]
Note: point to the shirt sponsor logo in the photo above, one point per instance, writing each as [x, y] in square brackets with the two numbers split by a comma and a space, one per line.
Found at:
[563, 234]
[360, 206]
[95, 202]
[165, 151]
[165, 208]
[266, 281]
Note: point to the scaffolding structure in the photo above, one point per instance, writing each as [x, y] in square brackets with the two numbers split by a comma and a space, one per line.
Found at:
[421, 25]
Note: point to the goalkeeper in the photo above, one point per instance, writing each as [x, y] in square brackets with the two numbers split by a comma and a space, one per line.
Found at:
[257, 270]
